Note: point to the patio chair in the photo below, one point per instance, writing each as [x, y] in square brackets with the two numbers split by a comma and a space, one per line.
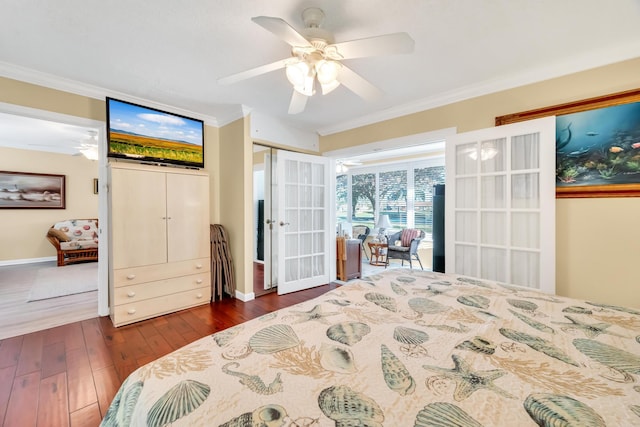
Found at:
[361, 232]
[403, 245]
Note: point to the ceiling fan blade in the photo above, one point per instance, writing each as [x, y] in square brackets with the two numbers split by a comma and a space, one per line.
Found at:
[387, 44]
[254, 72]
[282, 30]
[298, 102]
[357, 84]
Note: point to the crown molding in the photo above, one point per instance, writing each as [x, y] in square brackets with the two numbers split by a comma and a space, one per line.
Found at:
[39, 78]
[593, 59]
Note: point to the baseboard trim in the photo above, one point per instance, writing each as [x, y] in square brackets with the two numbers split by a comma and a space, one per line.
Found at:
[245, 297]
[26, 261]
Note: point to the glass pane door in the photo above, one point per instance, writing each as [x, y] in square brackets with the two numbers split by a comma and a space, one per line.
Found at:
[500, 204]
[303, 221]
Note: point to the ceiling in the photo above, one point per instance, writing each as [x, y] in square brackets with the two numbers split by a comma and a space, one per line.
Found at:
[29, 133]
[172, 53]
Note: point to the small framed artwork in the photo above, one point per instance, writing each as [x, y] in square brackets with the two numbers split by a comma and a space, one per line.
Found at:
[25, 190]
[95, 185]
[597, 145]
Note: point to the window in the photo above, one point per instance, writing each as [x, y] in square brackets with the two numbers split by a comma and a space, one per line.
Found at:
[404, 191]
[424, 179]
[363, 199]
[342, 199]
[393, 196]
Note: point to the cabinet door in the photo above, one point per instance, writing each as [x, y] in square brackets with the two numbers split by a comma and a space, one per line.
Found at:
[138, 218]
[187, 217]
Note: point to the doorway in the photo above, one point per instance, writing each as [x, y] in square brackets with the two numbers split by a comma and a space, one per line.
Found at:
[53, 143]
[264, 274]
[292, 249]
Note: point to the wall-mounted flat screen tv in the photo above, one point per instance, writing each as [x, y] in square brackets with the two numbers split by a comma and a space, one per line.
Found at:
[149, 135]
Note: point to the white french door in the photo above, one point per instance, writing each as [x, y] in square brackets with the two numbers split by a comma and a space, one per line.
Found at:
[303, 222]
[500, 204]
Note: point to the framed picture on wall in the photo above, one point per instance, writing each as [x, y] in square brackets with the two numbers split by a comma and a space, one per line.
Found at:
[25, 190]
[597, 145]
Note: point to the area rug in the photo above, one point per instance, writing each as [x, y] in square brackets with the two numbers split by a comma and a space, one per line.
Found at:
[53, 282]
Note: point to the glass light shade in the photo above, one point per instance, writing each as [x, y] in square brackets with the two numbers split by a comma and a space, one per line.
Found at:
[327, 71]
[306, 88]
[297, 73]
[90, 153]
[328, 87]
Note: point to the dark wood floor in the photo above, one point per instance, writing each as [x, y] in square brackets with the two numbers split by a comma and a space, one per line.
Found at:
[67, 376]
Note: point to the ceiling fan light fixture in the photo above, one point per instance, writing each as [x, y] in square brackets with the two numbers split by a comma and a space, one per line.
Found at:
[327, 71]
[90, 152]
[297, 73]
[302, 75]
[328, 87]
[341, 168]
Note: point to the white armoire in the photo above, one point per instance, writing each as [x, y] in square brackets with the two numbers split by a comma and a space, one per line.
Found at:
[159, 244]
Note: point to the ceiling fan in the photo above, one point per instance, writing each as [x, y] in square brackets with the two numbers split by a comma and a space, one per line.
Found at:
[89, 149]
[342, 166]
[316, 60]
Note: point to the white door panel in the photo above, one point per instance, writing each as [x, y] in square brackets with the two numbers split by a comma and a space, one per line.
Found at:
[500, 204]
[303, 221]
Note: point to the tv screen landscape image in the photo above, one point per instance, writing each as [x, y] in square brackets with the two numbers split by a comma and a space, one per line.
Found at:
[149, 135]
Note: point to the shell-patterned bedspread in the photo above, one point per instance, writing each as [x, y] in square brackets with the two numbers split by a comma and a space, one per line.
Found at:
[404, 348]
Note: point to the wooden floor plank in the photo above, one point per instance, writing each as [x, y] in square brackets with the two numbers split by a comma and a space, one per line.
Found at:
[99, 354]
[54, 335]
[53, 408]
[10, 351]
[82, 390]
[158, 345]
[89, 416]
[107, 384]
[20, 411]
[30, 354]
[73, 337]
[147, 330]
[53, 359]
[173, 337]
[6, 382]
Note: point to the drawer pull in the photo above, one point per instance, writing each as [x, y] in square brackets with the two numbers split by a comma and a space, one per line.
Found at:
[131, 276]
[198, 266]
[199, 281]
[131, 311]
[131, 294]
[199, 296]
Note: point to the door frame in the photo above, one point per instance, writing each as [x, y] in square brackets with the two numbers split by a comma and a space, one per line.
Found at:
[103, 211]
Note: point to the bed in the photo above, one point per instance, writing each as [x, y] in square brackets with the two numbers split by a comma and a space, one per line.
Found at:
[403, 348]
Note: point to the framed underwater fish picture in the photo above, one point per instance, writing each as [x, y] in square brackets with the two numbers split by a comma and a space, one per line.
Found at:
[597, 145]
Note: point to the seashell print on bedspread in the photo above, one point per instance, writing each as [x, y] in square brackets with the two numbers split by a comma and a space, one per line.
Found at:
[402, 348]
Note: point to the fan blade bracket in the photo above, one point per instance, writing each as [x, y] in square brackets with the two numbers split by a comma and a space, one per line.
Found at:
[331, 52]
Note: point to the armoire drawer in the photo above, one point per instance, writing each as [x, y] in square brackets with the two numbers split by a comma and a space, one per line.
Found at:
[132, 312]
[143, 291]
[150, 273]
